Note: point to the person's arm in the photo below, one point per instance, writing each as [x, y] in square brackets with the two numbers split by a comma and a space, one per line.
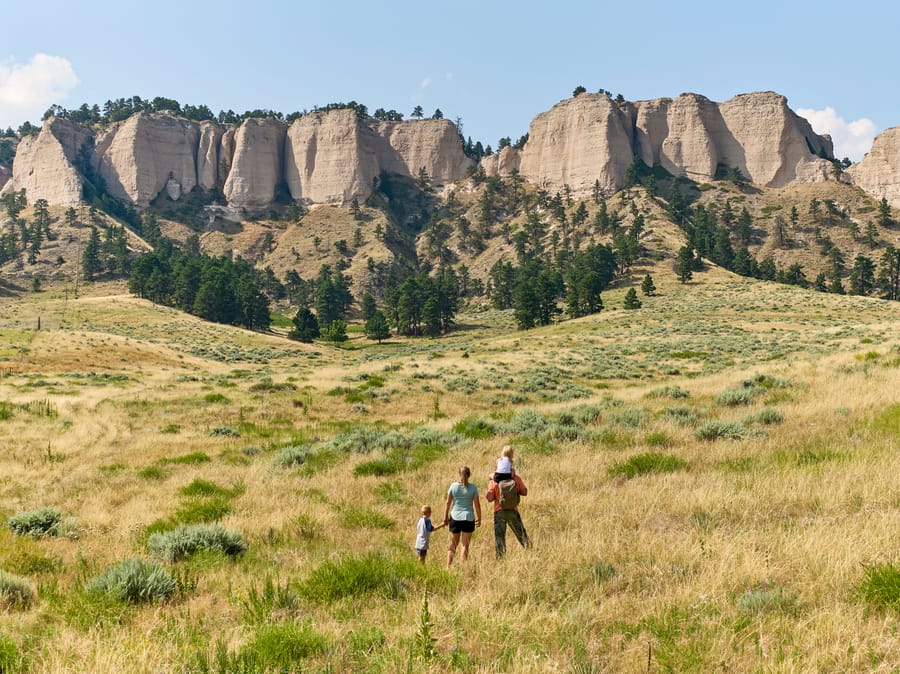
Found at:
[447, 508]
[491, 493]
[435, 527]
[477, 502]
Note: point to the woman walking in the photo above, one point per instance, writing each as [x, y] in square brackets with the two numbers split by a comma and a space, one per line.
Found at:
[462, 514]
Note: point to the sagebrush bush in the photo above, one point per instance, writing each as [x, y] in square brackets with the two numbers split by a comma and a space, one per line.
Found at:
[716, 430]
[41, 523]
[365, 439]
[134, 581]
[681, 415]
[762, 600]
[527, 423]
[672, 392]
[650, 462]
[734, 397]
[184, 541]
[293, 455]
[15, 593]
[766, 417]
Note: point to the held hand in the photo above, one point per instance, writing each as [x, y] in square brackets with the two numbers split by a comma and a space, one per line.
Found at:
[478, 522]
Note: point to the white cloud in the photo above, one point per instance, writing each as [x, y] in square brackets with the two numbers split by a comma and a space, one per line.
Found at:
[28, 89]
[425, 83]
[851, 139]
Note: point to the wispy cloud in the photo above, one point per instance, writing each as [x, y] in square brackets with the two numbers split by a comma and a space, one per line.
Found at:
[28, 89]
[851, 139]
[425, 83]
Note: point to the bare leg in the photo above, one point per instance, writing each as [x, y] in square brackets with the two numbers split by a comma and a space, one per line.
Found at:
[451, 551]
[465, 538]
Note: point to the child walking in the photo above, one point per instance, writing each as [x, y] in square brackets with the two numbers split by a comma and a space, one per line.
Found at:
[424, 527]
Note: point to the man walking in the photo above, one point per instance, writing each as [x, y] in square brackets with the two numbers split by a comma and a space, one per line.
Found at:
[507, 514]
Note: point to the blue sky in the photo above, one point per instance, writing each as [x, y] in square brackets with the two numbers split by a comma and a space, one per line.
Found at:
[495, 64]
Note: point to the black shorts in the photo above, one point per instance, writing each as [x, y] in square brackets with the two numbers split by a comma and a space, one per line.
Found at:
[461, 526]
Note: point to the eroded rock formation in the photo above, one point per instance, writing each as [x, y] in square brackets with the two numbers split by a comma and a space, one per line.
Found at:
[879, 171]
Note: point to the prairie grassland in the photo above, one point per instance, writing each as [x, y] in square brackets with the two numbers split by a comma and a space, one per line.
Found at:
[710, 479]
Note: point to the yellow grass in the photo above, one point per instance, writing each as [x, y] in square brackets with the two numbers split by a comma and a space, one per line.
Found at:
[621, 568]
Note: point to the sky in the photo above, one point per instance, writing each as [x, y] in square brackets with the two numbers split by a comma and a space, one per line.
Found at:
[494, 64]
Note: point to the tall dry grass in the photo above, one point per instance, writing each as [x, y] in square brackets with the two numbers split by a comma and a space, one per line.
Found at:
[747, 559]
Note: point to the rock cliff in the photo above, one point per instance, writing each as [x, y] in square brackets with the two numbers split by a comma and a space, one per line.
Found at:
[330, 157]
[577, 142]
[333, 156]
[879, 171]
[137, 158]
[45, 164]
[256, 168]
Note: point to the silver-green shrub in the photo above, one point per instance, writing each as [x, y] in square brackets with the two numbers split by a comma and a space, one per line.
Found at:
[15, 592]
[185, 540]
[134, 581]
[40, 523]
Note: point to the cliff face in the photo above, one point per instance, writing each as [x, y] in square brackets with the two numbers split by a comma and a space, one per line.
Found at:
[256, 167]
[430, 144]
[577, 142]
[45, 164]
[333, 156]
[330, 158]
[879, 171]
[137, 158]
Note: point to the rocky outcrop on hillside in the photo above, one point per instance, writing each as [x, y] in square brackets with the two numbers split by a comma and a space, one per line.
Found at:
[577, 142]
[330, 158]
[429, 144]
[504, 162]
[208, 155]
[333, 156]
[591, 138]
[5, 175]
[879, 172]
[256, 166]
[137, 158]
[45, 164]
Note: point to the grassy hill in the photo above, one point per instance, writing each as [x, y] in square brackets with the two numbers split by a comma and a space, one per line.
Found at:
[711, 486]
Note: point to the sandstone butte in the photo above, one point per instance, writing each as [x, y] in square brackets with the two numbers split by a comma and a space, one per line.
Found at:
[333, 156]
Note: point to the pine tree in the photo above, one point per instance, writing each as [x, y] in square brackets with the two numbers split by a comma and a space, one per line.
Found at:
[377, 327]
[631, 300]
[647, 286]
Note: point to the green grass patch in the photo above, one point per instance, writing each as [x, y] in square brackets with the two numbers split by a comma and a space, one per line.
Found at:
[365, 518]
[155, 473]
[647, 463]
[887, 422]
[200, 487]
[192, 459]
[203, 510]
[215, 398]
[371, 575]
[881, 586]
[12, 659]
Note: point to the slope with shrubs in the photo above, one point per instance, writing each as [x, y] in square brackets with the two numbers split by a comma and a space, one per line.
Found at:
[710, 483]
